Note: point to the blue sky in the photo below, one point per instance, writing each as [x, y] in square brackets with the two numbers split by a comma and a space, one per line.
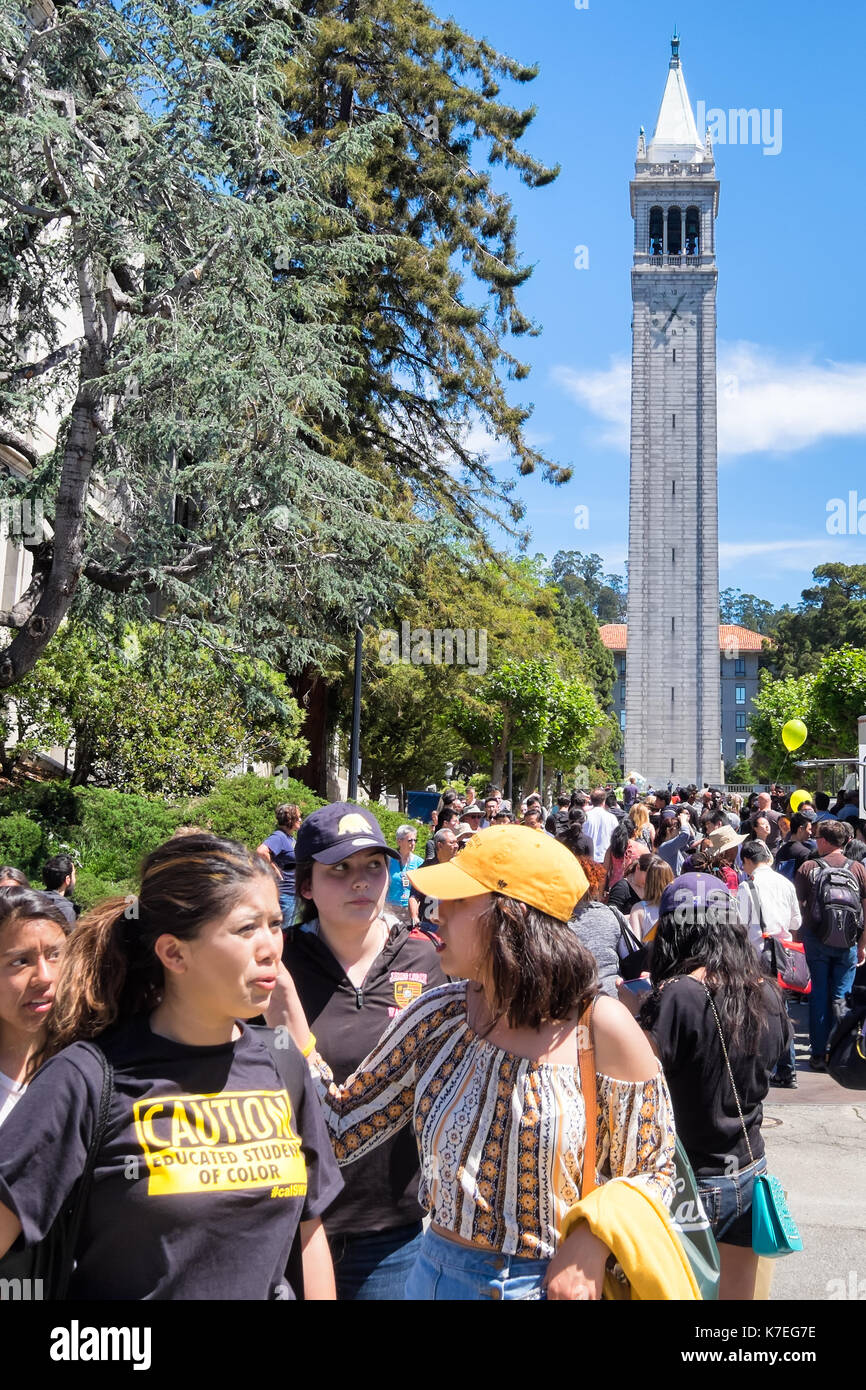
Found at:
[792, 361]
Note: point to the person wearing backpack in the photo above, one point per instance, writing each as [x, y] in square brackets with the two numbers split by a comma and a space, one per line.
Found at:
[832, 894]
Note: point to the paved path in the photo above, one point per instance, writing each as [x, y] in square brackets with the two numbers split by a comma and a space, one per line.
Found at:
[816, 1145]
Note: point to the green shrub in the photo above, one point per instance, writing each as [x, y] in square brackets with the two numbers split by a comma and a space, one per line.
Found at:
[390, 820]
[117, 829]
[242, 808]
[21, 839]
[91, 888]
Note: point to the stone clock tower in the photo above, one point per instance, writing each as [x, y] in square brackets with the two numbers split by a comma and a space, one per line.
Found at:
[673, 714]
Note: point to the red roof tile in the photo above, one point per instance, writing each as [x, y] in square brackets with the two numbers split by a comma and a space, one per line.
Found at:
[615, 637]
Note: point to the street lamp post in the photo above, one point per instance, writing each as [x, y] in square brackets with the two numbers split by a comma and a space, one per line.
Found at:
[355, 741]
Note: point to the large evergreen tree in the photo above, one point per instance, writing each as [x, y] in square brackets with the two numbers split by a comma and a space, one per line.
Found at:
[435, 316]
[172, 271]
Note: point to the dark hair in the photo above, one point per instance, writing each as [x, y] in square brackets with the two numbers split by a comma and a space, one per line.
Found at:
[576, 815]
[19, 879]
[28, 905]
[822, 801]
[855, 849]
[288, 813]
[110, 971]
[446, 815]
[835, 832]
[619, 839]
[798, 821]
[712, 937]
[642, 862]
[55, 870]
[536, 968]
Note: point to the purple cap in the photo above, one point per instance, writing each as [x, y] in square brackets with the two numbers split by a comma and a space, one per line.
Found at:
[334, 832]
[695, 892]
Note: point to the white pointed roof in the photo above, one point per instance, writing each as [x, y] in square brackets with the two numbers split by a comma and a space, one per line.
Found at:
[676, 135]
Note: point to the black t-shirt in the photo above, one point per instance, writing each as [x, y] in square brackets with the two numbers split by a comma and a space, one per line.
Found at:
[209, 1163]
[705, 1109]
[381, 1189]
[623, 896]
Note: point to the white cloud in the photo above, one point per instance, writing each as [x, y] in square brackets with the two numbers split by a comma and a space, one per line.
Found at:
[795, 554]
[766, 404]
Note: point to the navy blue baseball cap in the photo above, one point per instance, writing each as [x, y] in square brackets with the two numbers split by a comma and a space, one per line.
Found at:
[334, 832]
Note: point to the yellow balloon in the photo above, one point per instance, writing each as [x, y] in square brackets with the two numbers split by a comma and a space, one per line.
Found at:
[797, 799]
[794, 733]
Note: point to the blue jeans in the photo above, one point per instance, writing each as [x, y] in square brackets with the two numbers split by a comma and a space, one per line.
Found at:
[786, 1067]
[832, 969]
[445, 1270]
[287, 903]
[728, 1203]
[375, 1266]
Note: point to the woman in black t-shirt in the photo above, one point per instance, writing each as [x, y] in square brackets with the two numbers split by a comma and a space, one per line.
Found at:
[708, 986]
[214, 1153]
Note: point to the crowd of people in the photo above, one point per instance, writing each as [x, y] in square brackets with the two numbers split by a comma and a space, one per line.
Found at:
[330, 1067]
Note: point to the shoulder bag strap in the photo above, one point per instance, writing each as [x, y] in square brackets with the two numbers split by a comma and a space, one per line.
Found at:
[586, 1064]
[730, 1073]
[85, 1182]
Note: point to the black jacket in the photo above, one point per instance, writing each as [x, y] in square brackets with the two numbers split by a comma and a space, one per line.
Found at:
[382, 1188]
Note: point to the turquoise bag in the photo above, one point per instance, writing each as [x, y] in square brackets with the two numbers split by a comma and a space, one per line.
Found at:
[774, 1230]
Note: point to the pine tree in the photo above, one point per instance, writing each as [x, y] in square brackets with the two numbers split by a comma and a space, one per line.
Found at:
[436, 361]
[172, 283]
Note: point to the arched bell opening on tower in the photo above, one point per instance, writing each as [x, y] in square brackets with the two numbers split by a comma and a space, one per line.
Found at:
[656, 232]
[675, 232]
[693, 232]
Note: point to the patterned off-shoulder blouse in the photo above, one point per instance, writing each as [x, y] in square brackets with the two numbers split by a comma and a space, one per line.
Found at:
[500, 1137]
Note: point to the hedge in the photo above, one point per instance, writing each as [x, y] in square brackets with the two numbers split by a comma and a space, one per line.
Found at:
[108, 833]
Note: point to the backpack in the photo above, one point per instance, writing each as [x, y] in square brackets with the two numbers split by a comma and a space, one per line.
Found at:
[837, 916]
[846, 1046]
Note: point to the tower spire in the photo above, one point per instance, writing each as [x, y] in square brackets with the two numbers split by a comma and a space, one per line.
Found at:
[676, 134]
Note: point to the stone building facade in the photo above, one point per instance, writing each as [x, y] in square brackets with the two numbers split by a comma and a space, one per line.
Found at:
[673, 718]
[739, 651]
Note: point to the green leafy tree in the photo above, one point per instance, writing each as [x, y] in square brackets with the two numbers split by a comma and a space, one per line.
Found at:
[529, 707]
[173, 271]
[435, 319]
[581, 576]
[746, 610]
[150, 713]
[832, 614]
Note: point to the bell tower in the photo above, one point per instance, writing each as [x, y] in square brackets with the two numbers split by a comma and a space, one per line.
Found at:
[673, 703]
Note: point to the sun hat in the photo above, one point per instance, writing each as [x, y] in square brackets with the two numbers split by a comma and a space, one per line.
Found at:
[473, 810]
[512, 860]
[725, 838]
[334, 832]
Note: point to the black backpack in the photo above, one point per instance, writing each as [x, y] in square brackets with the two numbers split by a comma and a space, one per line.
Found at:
[846, 1046]
[837, 915]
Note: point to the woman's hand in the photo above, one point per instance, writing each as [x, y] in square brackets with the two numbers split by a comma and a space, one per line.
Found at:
[577, 1269]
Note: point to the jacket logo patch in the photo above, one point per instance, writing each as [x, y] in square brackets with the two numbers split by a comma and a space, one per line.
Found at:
[408, 984]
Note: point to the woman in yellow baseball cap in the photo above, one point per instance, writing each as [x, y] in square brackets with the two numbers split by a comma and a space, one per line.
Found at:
[486, 1070]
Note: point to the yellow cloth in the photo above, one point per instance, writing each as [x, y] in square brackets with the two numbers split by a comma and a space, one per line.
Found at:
[636, 1227]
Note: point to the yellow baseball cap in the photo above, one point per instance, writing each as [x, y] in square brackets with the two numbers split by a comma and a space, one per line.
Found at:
[515, 861]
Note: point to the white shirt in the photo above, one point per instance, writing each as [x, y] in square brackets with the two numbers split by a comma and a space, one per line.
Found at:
[779, 908]
[599, 826]
[10, 1093]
